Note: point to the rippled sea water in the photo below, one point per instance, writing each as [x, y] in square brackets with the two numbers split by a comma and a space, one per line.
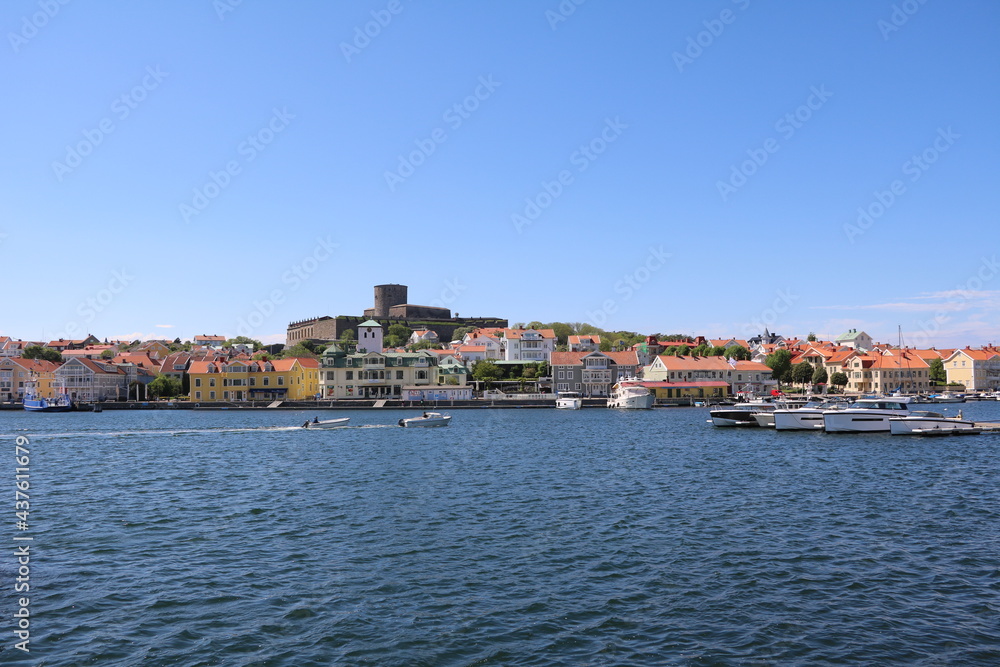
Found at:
[511, 537]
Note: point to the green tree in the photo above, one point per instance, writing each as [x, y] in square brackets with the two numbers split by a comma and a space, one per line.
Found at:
[460, 333]
[738, 352]
[811, 337]
[164, 386]
[397, 335]
[682, 350]
[802, 373]
[937, 373]
[562, 331]
[702, 350]
[298, 350]
[718, 351]
[108, 354]
[839, 379]
[244, 340]
[486, 371]
[819, 375]
[780, 363]
[43, 353]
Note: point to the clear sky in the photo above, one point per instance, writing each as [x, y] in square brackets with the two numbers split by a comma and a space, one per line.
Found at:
[171, 169]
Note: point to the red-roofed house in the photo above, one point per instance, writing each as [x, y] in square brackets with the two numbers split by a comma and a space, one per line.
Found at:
[584, 343]
[741, 376]
[978, 370]
[528, 344]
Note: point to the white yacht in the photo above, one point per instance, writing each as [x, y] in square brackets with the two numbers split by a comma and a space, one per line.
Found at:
[932, 423]
[741, 414]
[867, 415]
[630, 395]
[569, 400]
[808, 417]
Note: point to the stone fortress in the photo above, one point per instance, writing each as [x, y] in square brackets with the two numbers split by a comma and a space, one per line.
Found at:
[390, 308]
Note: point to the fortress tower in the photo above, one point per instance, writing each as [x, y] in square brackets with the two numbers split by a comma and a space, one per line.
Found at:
[387, 296]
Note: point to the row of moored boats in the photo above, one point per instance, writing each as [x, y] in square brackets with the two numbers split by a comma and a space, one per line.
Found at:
[892, 414]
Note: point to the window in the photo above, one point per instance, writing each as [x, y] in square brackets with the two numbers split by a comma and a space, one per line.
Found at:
[211, 383]
[281, 380]
[197, 395]
[267, 381]
[253, 382]
[399, 375]
[350, 375]
[225, 395]
[197, 382]
[578, 386]
[211, 395]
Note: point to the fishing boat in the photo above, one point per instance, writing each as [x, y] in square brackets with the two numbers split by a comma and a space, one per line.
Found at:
[569, 400]
[32, 402]
[327, 423]
[630, 395]
[427, 419]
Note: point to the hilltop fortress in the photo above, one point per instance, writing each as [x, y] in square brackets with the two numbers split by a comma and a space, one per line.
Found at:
[390, 308]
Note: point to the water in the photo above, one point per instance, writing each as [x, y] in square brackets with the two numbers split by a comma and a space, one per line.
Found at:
[511, 537]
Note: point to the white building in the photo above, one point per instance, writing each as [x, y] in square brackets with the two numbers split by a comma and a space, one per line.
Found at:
[528, 344]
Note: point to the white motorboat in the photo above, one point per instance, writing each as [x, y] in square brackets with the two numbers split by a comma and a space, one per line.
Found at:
[569, 400]
[947, 397]
[741, 414]
[630, 395]
[932, 423]
[866, 415]
[808, 417]
[427, 419]
[765, 418]
[327, 423]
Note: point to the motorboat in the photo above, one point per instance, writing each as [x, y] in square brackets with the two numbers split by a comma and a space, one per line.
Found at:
[920, 422]
[867, 414]
[741, 414]
[427, 419]
[808, 417]
[630, 395]
[327, 423]
[569, 400]
[947, 397]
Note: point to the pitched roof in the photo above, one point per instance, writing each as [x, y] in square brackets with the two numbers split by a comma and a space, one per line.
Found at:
[626, 358]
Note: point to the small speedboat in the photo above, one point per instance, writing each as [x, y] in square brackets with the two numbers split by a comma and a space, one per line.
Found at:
[327, 423]
[932, 423]
[427, 419]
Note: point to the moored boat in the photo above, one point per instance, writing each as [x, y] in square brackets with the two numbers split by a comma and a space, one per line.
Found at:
[569, 400]
[920, 422]
[32, 402]
[427, 419]
[630, 395]
[808, 417]
[866, 415]
[741, 414]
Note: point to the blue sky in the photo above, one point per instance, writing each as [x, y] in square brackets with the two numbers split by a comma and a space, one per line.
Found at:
[171, 169]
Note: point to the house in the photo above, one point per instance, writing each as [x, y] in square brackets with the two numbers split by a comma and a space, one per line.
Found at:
[423, 336]
[156, 349]
[176, 365]
[63, 344]
[209, 341]
[853, 338]
[452, 383]
[89, 380]
[15, 372]
[292, 379]
[528, 344]
[900, 371]
[767, 338]
[978, 370]
[488, 339]
[740, 376]
[591, 373]
[347, 373]
[584, 343]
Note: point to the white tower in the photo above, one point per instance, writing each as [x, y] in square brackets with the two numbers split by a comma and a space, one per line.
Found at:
[369, 337]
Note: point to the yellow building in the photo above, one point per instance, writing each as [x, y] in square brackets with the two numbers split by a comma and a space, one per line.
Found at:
[978, 370]
[292, 379]
[15, 372]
